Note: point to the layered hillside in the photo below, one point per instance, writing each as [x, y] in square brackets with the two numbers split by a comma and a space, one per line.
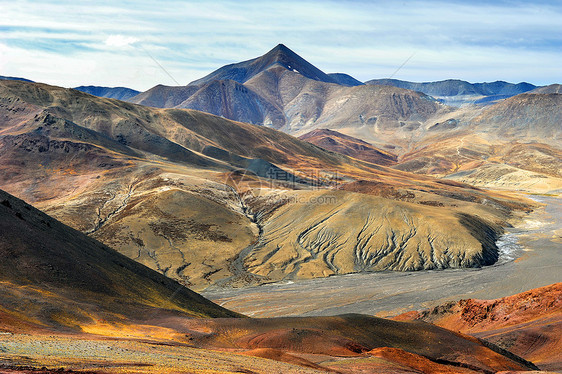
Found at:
[208, 201]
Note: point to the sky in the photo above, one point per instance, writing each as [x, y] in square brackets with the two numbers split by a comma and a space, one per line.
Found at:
[140, 44]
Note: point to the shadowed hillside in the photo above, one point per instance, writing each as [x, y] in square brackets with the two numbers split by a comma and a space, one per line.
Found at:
[119, 93]
[347, 145]
[54, 276]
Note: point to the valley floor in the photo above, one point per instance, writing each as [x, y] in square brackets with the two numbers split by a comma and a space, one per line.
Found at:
[530, 260]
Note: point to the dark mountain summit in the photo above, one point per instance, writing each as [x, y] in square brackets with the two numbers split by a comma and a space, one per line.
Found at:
[278, 56]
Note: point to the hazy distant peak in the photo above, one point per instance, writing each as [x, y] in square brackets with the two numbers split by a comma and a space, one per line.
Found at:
[119, 93]
[14, 79]
[457, 92]
[553, 88]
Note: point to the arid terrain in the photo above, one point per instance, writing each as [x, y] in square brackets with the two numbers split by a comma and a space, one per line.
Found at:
[272, 218]
[62, 306]
[206, 200]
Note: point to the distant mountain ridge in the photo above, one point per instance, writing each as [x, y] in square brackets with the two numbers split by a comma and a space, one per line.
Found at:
[455, 91]
[4, 78]
[119, 93]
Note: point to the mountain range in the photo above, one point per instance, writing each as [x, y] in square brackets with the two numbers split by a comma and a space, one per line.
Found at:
[282, 90]
[155, 184]
[457, 92]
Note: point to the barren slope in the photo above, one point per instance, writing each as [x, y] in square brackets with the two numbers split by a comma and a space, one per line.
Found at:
[514, 145]
[340, 233]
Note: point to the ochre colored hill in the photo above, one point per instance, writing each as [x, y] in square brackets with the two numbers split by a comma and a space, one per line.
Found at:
[350, 146]
[528, 324]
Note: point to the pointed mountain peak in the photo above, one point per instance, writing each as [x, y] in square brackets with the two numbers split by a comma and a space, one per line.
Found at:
[281, 50]
[285, 57]
[280, 55]
[281, 47]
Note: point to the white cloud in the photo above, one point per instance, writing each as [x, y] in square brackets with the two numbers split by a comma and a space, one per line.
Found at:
[120, 40]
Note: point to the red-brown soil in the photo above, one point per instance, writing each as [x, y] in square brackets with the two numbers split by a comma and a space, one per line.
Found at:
[528, 324]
